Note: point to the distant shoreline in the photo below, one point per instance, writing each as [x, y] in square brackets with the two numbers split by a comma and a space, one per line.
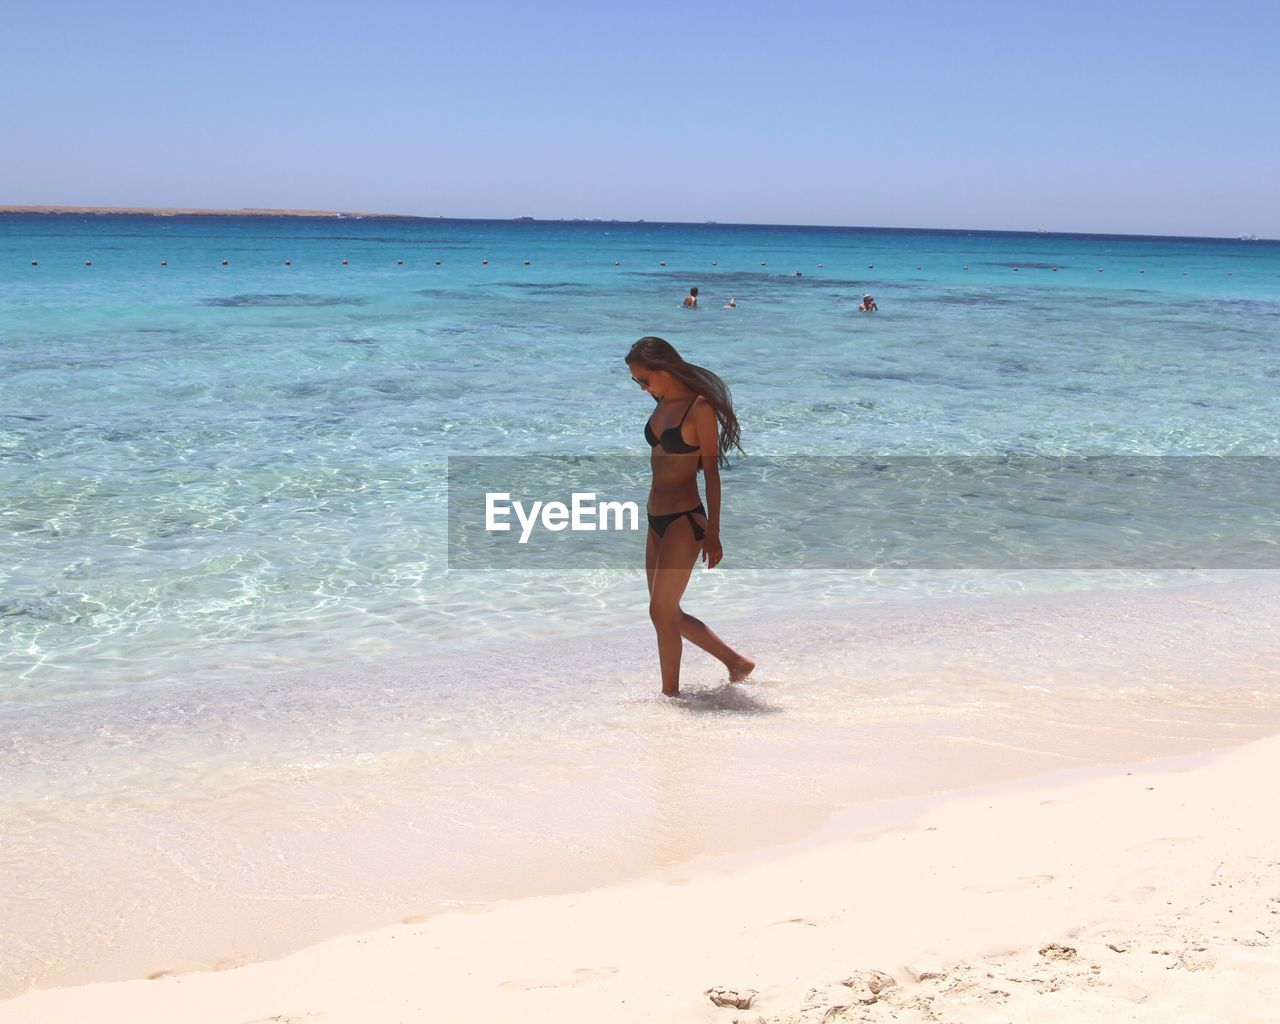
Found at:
[175, 211]
[163, 211]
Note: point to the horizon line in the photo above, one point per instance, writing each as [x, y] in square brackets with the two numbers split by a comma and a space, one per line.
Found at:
[39, 209]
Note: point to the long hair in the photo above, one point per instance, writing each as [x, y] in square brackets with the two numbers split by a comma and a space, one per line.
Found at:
[656, 354]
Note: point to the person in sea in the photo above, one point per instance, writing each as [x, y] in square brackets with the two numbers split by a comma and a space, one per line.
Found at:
[691, 300]
[868, 305]
[692, 430]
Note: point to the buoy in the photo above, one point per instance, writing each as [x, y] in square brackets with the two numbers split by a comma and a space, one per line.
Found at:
[35, 263]
[615, 263]
[919, 268]
[224, 263]
[88, 263]
[1055, 270]
[763, 264]
[526, 263]
[871, 266]
[966, 266]
[1229, 273]
[288, 263]
[819, 266]
[164, 263]
[713, 263]
[399, 263]
[663, 263]
[484, 263]
[1015, 270]
[344, 263]
[1141, 271]
[437, 263]
[1184, 274]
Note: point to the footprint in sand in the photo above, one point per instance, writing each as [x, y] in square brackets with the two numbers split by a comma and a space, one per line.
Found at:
[804, 922]
[282, 1018]
[578, 977]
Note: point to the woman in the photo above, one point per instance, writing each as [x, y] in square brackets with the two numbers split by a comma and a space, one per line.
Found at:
[692, 429]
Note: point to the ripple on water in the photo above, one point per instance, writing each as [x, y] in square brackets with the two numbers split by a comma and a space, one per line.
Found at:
[256, 479]
[298, 299]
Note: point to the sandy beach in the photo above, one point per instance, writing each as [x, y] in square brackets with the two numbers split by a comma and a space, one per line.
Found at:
[1144, 893]
[257, 722]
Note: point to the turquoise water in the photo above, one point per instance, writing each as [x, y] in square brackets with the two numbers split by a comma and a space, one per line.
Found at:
[241, 685]
[213, 468]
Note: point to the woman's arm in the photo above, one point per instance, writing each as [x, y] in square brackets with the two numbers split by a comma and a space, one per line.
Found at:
[704, 420]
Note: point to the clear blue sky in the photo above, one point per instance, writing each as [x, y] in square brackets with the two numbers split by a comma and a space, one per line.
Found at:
[1073, 116]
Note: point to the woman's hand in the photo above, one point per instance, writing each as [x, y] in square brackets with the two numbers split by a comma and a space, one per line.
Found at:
[712, 552]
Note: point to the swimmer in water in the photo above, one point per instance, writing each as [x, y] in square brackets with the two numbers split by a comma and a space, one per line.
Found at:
[691, 300]
[691, 431]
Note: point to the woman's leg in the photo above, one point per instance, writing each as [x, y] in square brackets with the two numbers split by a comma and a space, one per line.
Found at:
[698, 632]
[695, 630]
[650, 557]
[675, 553]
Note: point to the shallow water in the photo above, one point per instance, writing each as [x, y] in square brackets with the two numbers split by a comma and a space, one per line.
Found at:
[214, 468]
[235, 660]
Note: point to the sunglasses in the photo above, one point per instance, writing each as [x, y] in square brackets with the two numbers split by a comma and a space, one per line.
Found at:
[641, 381]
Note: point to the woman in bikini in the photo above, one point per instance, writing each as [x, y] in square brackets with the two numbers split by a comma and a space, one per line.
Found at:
[692, 429]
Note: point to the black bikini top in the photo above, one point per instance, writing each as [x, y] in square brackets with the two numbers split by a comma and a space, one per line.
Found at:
[671, 441]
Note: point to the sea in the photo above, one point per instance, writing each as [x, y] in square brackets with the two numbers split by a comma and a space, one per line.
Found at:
[263, 682]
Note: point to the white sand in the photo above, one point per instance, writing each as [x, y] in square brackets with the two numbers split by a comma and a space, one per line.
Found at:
[1146, 894]
[216, 825]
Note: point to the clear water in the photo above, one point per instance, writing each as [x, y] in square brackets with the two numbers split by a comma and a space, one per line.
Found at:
[211, 467]
[233, 661]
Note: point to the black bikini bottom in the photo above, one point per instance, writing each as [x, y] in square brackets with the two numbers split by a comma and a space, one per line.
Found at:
[659, 524]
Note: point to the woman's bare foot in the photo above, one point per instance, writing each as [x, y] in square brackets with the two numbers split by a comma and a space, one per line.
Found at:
[742, 668]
